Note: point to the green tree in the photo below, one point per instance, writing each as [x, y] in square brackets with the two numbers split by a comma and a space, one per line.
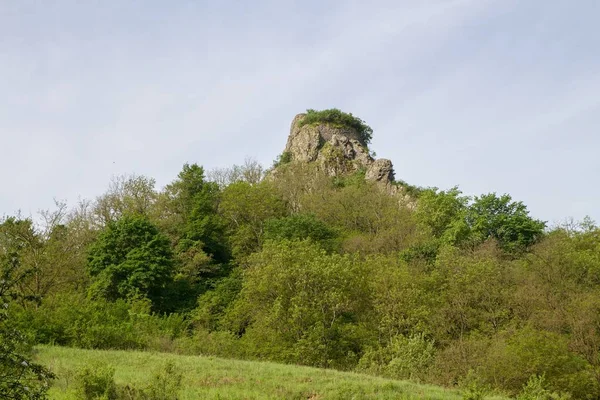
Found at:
[189, 209]
[246, 208]
[443, 212]
[20, 378]
[126, 194]
[130, 258]
[507, 221]
[299, 304]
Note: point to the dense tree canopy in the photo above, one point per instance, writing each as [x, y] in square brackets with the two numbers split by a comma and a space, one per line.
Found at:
[130, 258]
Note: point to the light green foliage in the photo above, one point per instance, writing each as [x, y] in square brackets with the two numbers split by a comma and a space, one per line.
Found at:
[96, 382]
[76, 320]
[282, 159]
[370, 219]
[246, 207]
[130, 257]
[403, 358]
[127, 194]
[510, 363]
[165, 385]
[477, 290]
[300, 304]
[307, 268]
[535, 390]
[443, 212]
[339, 118]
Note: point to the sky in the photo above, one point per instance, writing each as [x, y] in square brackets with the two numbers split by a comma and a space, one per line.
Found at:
[490, 95]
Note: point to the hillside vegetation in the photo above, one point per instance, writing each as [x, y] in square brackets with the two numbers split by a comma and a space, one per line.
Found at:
[300, 267]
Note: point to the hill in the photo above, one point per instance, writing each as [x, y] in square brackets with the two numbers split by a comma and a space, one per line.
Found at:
[217, 378]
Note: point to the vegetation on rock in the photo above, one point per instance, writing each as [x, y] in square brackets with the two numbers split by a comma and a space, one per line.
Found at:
[341, 119]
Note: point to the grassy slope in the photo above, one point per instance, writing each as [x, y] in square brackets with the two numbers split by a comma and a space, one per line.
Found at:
[215, 378]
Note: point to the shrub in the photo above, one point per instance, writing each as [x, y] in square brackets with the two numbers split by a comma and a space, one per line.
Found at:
[96, 382]
[510, 363]
[403, 358]
[535, 390]
[339, 118]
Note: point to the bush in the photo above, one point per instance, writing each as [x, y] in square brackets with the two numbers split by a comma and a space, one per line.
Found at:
[75, 320]
[403, 358]
[510, 362]
[339, 118]
[96, 382]
[535, 390]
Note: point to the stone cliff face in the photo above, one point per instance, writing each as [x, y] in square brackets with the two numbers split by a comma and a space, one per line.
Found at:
[336, 150]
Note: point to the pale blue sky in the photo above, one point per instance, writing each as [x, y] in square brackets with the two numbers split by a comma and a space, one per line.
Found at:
[490, 95]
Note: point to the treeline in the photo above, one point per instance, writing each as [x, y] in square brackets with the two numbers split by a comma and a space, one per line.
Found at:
[299, 267]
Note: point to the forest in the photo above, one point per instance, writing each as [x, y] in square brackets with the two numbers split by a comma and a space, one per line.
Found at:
[293, 265]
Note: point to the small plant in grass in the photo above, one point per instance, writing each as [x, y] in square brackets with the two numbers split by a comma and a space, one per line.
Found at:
[165, 385]
[473, 388]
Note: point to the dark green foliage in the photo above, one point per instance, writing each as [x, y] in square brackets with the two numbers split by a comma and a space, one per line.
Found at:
[131, 258]
[197, 230]
[20, 378]
[300, 227]
[282, 159]
[505, 220]
[339, 118]
[213, 304]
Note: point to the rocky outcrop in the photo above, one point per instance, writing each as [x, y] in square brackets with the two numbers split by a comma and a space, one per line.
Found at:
[336, 150]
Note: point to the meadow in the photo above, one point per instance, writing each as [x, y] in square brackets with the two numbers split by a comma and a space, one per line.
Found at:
[217, 378]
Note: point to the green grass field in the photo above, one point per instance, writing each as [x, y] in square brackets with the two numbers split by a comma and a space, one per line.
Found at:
[215, 378]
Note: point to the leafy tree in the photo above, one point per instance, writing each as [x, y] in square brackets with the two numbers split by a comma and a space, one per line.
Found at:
[197, 231]
[300, 304]
[251, 172]
[443, 212]
[130, 258]
[20, 378]
[127, 194]
[505, 220]
[246, 207]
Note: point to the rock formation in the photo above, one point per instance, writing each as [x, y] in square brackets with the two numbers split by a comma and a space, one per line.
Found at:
[336, 150]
